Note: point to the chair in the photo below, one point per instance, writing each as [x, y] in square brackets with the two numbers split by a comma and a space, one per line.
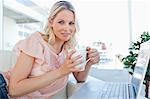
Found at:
[7, 59]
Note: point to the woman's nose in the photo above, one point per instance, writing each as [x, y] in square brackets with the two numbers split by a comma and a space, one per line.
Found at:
[67, 27]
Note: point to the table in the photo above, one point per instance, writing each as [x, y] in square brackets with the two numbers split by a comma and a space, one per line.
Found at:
[92, 80]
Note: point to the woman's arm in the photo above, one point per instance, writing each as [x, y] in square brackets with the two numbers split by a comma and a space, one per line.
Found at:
[20, 84]
[82, 75]
[93, 57]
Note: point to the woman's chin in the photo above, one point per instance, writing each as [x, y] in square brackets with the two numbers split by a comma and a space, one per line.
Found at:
[66, 39]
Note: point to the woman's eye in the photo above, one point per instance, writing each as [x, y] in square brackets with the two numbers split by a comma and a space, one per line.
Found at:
[61, 22]
[71, 23]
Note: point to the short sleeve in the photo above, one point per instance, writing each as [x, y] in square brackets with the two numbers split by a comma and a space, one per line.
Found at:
[31, 46]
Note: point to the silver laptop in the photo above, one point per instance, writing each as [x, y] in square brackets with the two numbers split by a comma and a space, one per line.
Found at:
[117, 90]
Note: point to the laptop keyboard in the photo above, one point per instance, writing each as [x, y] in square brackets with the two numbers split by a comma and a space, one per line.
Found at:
[114, 91]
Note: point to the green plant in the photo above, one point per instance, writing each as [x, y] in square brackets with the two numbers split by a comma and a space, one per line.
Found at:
[130, 60]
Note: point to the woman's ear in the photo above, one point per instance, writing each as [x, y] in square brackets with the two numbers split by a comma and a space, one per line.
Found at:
[50, 21]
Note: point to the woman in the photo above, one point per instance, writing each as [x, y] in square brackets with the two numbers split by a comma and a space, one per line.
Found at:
[43, 62]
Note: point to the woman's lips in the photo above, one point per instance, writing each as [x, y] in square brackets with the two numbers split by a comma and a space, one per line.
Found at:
[65, 34]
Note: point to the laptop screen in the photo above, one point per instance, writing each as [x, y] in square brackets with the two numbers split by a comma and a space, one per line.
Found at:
[141, 67]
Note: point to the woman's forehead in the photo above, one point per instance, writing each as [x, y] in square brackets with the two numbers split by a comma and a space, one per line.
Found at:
[65, 14]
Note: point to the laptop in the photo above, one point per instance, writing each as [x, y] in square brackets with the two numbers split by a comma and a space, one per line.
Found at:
[118, 90]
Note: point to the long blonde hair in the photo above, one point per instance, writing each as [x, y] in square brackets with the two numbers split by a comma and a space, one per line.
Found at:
[57, 7]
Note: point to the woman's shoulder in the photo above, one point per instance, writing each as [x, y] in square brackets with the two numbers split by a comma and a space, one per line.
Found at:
[32, 46]
[35, 35]
[33, 41]
[39, 36]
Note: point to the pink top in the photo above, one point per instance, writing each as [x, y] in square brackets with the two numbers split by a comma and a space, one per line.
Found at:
[45, 60]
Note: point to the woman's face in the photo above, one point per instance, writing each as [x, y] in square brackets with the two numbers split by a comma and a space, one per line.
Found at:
[63, 25]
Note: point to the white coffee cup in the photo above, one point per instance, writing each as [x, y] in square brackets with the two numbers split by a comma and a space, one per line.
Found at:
[81, 51]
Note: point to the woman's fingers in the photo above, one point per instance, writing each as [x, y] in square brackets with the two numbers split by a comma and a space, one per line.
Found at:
[75, 69]
[69, 54]
[76, 58]
[95, 59]
[93, 54]
[76, 63]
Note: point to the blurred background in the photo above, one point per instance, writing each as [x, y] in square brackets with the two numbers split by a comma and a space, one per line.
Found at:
[108, 25]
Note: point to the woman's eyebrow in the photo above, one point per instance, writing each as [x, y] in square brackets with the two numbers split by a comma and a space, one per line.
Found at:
[60, 20]
[64, 20]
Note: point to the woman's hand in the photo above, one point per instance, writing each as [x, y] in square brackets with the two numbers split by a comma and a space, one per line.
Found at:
[92, 56]
[70, 63]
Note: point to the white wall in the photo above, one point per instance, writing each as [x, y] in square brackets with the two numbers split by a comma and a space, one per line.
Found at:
[10, 33]
[1, 24]
[106, 21]
[140, 18]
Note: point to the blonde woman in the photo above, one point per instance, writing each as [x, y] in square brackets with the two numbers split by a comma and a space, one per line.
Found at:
[44, 63]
